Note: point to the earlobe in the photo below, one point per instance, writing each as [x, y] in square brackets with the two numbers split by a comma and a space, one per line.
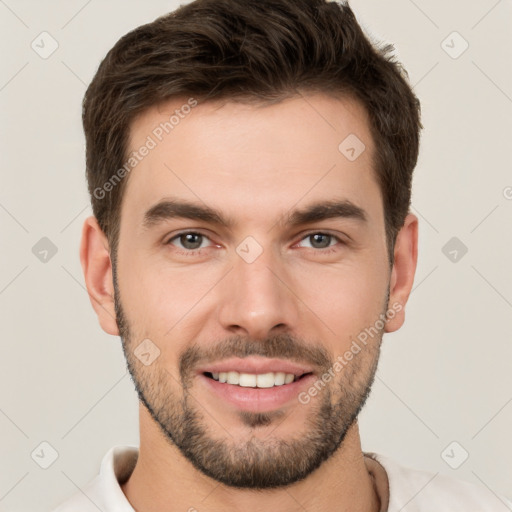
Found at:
[97, 269]
[402, 274]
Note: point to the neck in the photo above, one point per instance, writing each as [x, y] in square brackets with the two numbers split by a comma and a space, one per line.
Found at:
[163, 479]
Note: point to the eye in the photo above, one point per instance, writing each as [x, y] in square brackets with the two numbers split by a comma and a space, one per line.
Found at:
[320, 240]
[190, 241]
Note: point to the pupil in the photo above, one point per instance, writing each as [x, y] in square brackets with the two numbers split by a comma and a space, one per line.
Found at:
[317, 237]
[191, 240]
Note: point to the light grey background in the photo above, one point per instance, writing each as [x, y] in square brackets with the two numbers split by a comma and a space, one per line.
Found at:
[445, 376]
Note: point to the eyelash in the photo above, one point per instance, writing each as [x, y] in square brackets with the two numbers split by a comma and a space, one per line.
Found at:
[198, 251]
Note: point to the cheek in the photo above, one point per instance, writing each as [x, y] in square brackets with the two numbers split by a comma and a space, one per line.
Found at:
[345, 300]
[158, 297]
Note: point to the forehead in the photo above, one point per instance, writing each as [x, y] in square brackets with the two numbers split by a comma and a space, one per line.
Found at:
[251, 157]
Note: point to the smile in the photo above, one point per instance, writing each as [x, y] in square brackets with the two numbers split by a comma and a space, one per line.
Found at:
[251, 380]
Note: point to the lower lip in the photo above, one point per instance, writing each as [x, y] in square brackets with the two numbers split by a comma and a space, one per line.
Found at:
[258, 399]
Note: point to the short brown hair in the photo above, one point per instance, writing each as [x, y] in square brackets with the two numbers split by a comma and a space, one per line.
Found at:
[252, 51]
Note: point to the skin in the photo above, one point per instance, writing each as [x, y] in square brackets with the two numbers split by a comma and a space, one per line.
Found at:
[255, 165]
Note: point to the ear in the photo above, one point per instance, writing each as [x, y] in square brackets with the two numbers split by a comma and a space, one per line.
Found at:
[97, 269]
[404, 268]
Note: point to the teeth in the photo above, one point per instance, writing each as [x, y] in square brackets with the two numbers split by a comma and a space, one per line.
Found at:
[233, 378]
[265, 380]
[247, 380]
[288, 378]
[251, 380]
[280, 378]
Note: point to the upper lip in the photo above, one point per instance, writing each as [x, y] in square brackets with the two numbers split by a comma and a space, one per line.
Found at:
[257, 365]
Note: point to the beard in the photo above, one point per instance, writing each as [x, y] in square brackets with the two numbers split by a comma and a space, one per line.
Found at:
[256, 462]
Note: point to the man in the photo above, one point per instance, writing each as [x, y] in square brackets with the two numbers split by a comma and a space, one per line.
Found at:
[250, 169]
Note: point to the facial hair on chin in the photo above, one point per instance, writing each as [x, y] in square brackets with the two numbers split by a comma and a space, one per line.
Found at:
[254, 463]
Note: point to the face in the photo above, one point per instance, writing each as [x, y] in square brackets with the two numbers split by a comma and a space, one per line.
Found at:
[252, 249]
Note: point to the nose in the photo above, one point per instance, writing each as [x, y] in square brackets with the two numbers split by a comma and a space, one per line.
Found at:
[256, 299]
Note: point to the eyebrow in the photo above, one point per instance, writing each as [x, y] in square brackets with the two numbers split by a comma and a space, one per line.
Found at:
[168, 209]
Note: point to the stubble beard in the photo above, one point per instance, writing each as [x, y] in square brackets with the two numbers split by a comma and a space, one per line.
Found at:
[255, 462]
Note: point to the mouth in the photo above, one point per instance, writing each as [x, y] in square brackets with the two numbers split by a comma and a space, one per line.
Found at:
[256, 384]
[255, 380]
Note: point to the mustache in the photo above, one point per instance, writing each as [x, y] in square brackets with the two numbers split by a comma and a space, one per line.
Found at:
[282, 346]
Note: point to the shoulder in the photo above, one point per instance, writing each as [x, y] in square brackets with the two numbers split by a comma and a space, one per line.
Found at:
[414, 490]
[104, 491]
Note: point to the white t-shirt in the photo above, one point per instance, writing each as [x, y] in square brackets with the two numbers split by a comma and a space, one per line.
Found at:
[409, 490]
